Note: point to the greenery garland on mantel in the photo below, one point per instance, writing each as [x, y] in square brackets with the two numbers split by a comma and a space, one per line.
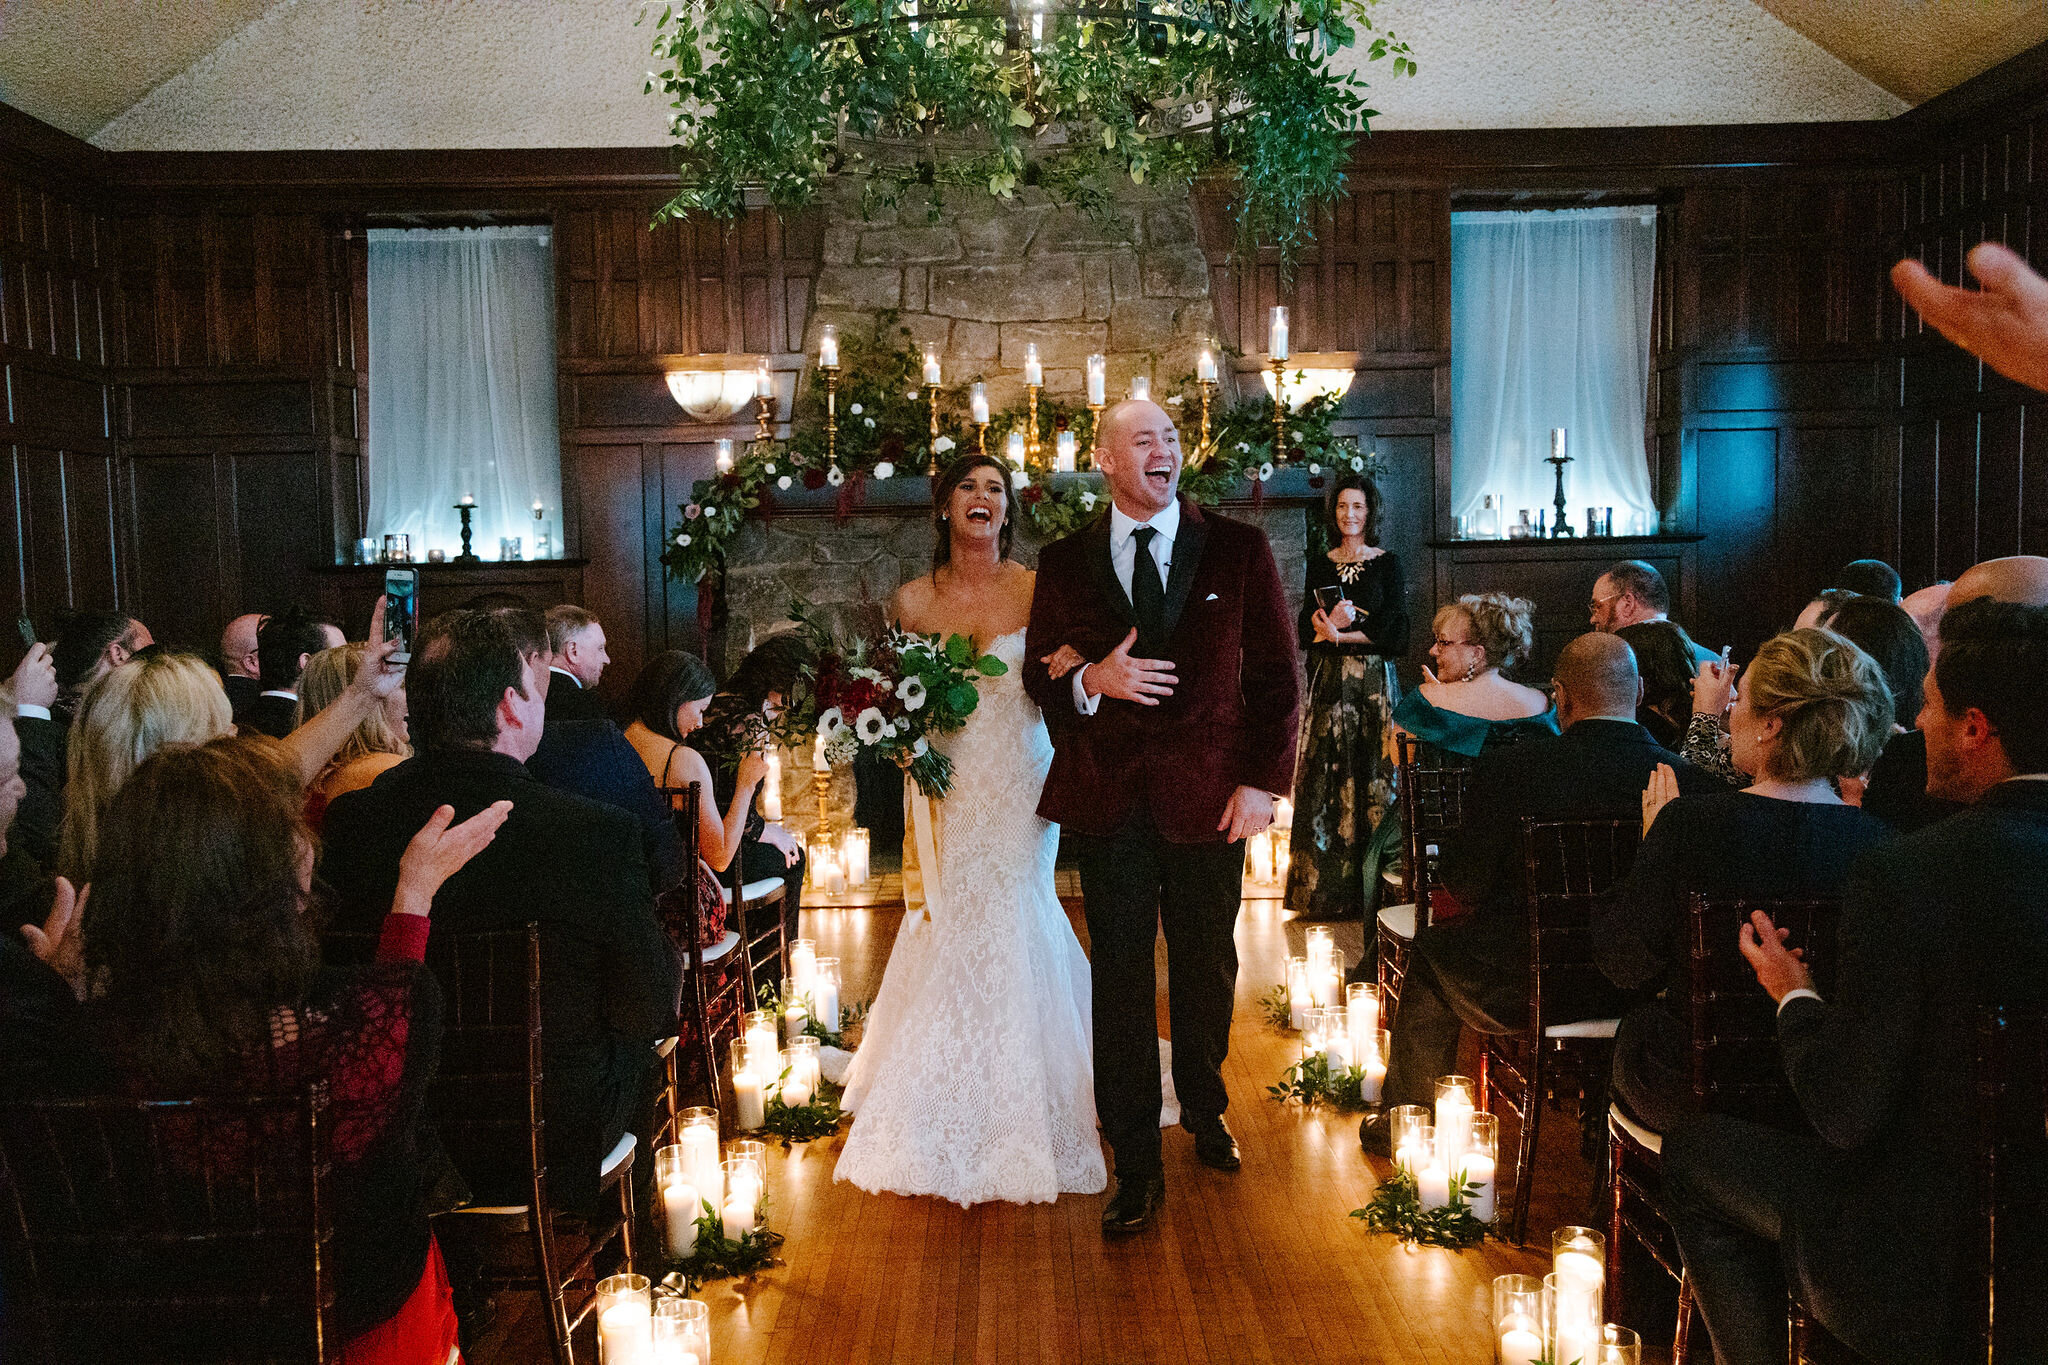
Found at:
[884, 433]
[990, 95]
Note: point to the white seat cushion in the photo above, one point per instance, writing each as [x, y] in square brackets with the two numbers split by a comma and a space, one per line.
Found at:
[1391, 877]
[665, 1046]
[752, 891]
[727, 941]
[619, 1156]
[1643, 1137]
[1398, 920]
[1584, 1028]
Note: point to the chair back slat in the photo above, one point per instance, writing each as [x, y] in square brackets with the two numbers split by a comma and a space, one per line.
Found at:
[1567, 866]
[2008, 1257]
[1432, 790]
[486, 1096]
[170, 1230]
[1731, 1022]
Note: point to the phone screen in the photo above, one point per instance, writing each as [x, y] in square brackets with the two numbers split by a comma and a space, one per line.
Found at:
[27, 629]
[401, 591]
[1328, 596]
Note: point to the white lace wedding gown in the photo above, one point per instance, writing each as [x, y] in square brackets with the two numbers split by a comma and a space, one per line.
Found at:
[973, 1081]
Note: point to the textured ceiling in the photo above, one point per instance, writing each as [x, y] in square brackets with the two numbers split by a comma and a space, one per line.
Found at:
[77, 63]
[252, 74]
[1918, 48]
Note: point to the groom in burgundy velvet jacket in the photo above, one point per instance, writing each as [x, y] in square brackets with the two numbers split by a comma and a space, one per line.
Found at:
[1170, 743]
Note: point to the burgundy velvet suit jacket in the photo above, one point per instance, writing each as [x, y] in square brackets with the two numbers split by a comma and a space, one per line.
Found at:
[1231, 719]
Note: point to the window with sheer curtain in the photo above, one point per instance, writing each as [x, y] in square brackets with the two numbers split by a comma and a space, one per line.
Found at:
[1550, 327]
[462, 386]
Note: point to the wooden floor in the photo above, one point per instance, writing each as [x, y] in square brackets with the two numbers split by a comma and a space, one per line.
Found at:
[1263, 1265]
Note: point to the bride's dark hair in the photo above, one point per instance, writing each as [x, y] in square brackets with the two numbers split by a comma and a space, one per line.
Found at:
[942, 498]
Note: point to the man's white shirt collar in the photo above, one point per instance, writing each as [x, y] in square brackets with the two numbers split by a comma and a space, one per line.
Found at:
[1166, 523]
[567, 674]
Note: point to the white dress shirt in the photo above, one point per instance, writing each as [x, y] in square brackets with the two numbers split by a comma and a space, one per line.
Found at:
[567, 674]
[1123, 556]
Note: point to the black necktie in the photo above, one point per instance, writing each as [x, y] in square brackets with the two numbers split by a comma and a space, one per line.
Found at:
[1148, 594]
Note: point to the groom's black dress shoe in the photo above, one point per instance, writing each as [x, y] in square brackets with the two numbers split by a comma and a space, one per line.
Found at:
[1132, 1206]
[1214, 1146]
[1373, 1134]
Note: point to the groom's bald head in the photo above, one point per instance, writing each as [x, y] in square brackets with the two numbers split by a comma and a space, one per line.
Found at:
[1137, 447]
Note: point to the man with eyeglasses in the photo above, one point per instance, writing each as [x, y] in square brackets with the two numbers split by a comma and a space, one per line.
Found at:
[1630, 593]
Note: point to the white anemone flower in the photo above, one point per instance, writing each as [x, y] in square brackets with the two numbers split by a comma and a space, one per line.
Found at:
[911, 692]
[856, 410]
[768, 467]
[782, 482]
[871, 727]
[832, 724]
[884, 470]
[1265, 471]
[835, 476]
[1357, 463]
[943, 444]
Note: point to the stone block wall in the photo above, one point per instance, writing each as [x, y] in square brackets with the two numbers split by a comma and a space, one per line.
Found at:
[989, 278]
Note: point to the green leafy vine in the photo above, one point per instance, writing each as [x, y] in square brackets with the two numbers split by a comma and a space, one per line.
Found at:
[1396, 1207]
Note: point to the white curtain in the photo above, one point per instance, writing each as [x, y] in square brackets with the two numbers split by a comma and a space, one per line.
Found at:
[1550, 327]
[462, 386]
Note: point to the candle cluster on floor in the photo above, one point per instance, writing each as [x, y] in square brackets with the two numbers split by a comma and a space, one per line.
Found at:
[1343, 1048]
[635, 1326]
[1268, 854]
[1559, 1317]
[838, 866]
[1452, 1149]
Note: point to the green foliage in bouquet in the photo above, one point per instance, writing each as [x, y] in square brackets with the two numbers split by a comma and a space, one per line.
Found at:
[1397, 1208]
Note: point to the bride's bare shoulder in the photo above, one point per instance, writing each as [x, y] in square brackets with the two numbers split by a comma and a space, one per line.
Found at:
[911, 601]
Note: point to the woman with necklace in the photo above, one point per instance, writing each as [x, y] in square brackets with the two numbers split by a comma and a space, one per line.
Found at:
[1354, 625]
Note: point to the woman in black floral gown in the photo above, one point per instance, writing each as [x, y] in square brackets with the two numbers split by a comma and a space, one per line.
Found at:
[1354, 625]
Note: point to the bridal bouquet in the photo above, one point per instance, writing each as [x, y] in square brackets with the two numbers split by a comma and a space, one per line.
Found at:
[892, 694]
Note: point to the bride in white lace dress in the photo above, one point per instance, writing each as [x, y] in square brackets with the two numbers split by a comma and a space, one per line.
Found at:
[973, 1081]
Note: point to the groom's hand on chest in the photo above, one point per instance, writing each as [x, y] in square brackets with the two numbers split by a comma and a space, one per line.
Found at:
[1119, 675]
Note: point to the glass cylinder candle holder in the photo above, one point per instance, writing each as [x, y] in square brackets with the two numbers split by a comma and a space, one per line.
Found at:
[1517, 1319]
[1408, 1129]
[1361, 1014]
[760, 1033]
[1618, 1346]
[1322, 945]
[625, 1320]
[803, 961]
[697, 1135]
[1572, 1319]
[1375, 1066]
[1332, 1038]
[741, 1212]
[682, 1332]
[855, 853]
[680, 1202]
[1432, 1176]
[825, 995]
[1453, 1114]
[795, 1007]
[1480, 1165]
[1580, 1254]
[800, 1062]
[749, 1090]
[1298, 1001]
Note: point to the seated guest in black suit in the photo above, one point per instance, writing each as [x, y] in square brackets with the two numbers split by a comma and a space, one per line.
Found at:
[39, 1015]
[42, 739]
[283, 645]
[88, 645]
[1474, 969]
[1870, 578]
[1868, 1220]
[590, 757]
[577, 660]
[1631, 592]
[577, 867]
[1812, 708]
[241, 670]
[735, 725]
[1897, 791]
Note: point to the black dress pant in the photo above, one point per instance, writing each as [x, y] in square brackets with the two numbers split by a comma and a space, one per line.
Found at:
[1134, 883]
[1464, 972]
[1732, 1191]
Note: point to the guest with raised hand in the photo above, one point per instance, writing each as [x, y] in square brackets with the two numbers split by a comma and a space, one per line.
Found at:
[1664, 656]
[1464, 704]
[33, 695]
[379, 742]
[1706, 744]
[1353, 626]
[1869, 1216]
[206, 979]
[735, 728]
[2005, 323]
[1812, 708]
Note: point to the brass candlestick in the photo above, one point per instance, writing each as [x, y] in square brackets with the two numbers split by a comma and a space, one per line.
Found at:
[1208, 388]
[765, 432]
[1031, 442]
[1087, 461]
[931, 397]
[981, 437]
[831, 413]
[1279, 368]
[821, 784]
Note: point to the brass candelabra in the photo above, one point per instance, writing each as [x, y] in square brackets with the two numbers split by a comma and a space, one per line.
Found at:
[931, 398]
[821, 785]
[1279, 369]
[765, 431]
[1031, 442]
[1087, 460]
[981, 437]
[831, 413]
[1208, 388]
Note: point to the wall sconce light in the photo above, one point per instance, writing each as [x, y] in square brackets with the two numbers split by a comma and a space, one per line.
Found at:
[712, 388]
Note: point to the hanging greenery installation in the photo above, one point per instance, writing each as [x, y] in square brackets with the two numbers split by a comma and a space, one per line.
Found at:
[989, 96]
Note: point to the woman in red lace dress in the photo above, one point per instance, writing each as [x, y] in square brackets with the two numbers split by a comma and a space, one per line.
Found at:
[203, 975]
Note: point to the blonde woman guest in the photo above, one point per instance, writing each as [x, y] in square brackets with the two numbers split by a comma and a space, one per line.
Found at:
[137, 708]
[1464, 704]
[1812, 708]
[378, 743]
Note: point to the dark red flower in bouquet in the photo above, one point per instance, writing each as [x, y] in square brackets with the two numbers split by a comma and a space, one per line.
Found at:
[1032, 495]
[814, 479]
[1296, 454]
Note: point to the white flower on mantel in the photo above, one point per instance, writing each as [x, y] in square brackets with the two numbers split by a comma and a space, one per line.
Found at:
[856, 411]
[835, 476]
[884, 470]
[1174, 401]
[1244, 448]
[1357, 463]
[911, 692]
[1294, 435]
[782, 482]
[1315, 469]
[682, 539]
[1088, 500]
[942, 445]
[869, 420]
[768, 468]
[1265, 471]
[1020, 479]
[871, 726]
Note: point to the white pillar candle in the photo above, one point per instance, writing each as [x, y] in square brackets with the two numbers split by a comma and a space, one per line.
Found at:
[803, 963]
[1453, 1127]
[1014, 449]
[1298, 1000]
[761, 1038]
[771, 788]
[724, 455]
[825, 1003]
[1276, 334]
[931, 366]
[751, 1107]
[819, 762]
[794, 1018]
[1337, 1052]
[828, 348]
[854, 852]
[738, 1214]
[1580, 1267]
[1411, 1154]
[1433, 1185]
[1261, 850]
[1283, 854]
[1034, 373]
[1064, 445]
[700, 1161]
[764, 384]
[1141, 387]
[681, 1205]
[1520, 1342]
[797, 1090]
[625, 1333]
[977, 402]
[1098, 379]
[1557, 443]
[1375, 1078]
[1205, 368]
[1478, 1171]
